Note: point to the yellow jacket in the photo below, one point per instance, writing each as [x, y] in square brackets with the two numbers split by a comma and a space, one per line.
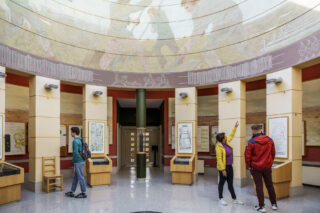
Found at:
[221, 152]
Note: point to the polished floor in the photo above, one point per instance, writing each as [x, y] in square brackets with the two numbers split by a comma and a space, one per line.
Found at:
[156, 193]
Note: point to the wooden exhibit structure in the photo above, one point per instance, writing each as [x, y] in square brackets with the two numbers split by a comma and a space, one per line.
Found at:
[99, 171]
[281, 178]
[50, 179]
[182, 169]
[11, 178]
[99, 166]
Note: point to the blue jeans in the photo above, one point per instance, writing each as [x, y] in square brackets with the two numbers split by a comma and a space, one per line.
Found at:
[78, 176]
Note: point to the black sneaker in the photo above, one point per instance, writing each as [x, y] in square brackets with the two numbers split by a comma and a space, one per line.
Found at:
[69, 194]
[256, 207]
[81, 195]
[261, 209]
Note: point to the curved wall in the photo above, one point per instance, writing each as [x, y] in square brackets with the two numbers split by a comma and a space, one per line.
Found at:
[152, 44]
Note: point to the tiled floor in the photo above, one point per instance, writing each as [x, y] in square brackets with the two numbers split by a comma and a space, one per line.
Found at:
[156, 193]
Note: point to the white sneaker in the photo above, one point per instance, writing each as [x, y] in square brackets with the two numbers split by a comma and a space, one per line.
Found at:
[274, 207]
[222, 202]
[238, 202]
[261, 209]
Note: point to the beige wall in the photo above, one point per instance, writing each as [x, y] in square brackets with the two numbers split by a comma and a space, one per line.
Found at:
[256, 101]
[17, 98]
[256, 109]
[208, 105]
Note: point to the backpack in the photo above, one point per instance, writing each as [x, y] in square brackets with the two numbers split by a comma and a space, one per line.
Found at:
[85, 154]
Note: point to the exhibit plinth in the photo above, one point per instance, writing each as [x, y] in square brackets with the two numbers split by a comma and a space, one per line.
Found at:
[182, 169]
[141, 165]
[11, 178]
[281, 178]
[99, 171]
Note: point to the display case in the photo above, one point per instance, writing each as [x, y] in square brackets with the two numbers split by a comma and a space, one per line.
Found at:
[11, 178]
[182, 168]
[99, 171]
[281, 178]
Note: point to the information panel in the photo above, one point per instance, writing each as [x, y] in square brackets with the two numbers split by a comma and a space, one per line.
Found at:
[184, 137]
[15, 138]
[203, 138]
[278, 131]
[96, 137]
[1, 126]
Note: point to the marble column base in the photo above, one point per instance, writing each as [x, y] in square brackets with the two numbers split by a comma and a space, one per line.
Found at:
[296, 190]
[33, 186]
[241, 182]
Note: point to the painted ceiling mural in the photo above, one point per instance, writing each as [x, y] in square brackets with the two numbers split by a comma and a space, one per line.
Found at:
[155, 36]
[157, 43]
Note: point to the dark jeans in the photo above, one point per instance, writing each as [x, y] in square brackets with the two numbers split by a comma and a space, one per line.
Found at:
[229, 179]
[267, 177]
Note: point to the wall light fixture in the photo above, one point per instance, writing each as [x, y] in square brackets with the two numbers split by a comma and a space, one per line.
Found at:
[51, 86]
[183, 95]
[226, 89]
[274, 80]
[3, 75]
[97, 93]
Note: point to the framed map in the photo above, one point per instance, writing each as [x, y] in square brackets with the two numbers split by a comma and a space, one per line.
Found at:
[184, 137]
[70, 138]
[63, 135]
[96, 137]
[278, 131]
[203, 138]
[214, 132]
[15, 138]
[1, 134]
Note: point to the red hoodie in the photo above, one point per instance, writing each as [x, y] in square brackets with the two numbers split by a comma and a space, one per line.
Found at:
[260, 152]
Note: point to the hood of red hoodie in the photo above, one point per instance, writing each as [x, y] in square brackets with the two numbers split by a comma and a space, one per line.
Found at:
[261, 139]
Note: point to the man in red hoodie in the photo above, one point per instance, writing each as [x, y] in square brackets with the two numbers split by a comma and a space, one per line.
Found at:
[259, 155]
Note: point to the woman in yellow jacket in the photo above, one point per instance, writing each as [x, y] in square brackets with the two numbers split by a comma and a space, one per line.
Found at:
[224, 164]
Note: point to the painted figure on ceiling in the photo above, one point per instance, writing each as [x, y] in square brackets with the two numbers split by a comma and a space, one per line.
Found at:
[128, 44]
[160, 25]
[216, 21]
[29, 21]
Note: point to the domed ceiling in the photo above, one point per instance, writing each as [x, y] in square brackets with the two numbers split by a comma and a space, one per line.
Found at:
[155, 36]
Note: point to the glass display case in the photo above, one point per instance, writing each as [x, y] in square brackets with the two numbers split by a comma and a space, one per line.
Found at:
[6, 170]
[100, 161]
[276, 164]
[140, 142]
[11, 178]
[182, 160]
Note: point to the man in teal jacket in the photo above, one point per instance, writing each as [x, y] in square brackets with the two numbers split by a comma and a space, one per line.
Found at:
[78, 162]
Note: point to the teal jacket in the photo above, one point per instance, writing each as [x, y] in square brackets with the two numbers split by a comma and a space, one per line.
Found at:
[77, 147]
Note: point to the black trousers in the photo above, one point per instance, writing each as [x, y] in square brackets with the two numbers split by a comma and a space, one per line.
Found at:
[229, 179]
[267, 177]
